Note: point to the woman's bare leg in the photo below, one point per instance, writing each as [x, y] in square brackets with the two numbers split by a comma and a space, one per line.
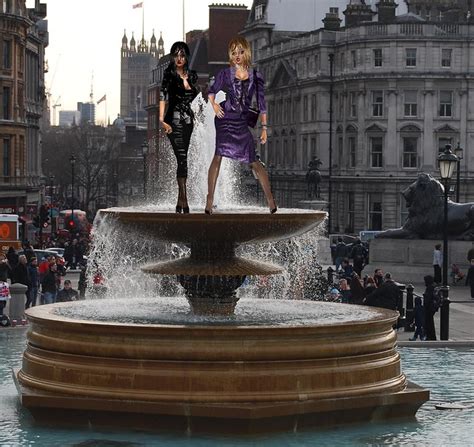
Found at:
[212, 177]
[262, 176]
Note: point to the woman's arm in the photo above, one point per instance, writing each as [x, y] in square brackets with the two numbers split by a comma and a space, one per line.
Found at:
[262, 106]
[164, 97]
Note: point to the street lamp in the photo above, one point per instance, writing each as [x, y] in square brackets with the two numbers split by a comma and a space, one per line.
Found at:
[72, 160]
[51, 182]
[447, 163]
[144, 154]
[458, 151]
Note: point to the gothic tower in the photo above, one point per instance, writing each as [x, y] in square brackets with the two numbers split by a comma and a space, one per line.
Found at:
[137, 62]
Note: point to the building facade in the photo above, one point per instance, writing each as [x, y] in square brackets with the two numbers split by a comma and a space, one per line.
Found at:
[402, 89]
[24, 36]
[137, 63]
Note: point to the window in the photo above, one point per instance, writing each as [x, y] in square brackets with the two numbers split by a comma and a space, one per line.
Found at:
[375, 211]
[376, 148]
[445, 103]
[313, 147]
[293, 152]
[6, 103]
[353, 104]
[7, 54]
[305, 152]
[446, 57]
[305, 108]
[340, 149]
[313, 107]
[343, 61]
[410, 106]
[377, 103]
[352, 143]
[377, 57]
[410, 152]
[6, 157]
[340, 112]
[354, 59]
[410, 57]
[258, 12]
[287, 111]
[296, 105]
[443, 141]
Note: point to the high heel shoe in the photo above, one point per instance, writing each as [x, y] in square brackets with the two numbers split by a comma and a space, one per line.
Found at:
[275, 208]
[186, 209]
[179, 209]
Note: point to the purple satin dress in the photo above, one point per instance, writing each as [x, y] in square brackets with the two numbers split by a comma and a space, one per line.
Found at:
[233, 137]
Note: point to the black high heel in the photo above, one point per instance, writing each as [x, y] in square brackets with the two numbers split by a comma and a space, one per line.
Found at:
[186, 209]
[274, 210]
[179, 209]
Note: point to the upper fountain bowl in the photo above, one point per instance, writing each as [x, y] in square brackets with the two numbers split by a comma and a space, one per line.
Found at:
[249, 225]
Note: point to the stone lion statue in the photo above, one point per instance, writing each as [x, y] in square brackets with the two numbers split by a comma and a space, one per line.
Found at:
[425, 203]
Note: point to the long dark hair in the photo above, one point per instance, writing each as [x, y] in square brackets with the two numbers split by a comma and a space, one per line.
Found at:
[175, 49]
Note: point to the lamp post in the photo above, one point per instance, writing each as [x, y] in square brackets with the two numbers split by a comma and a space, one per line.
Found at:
[51, 182]
[331, 92]
[458, 151]
[144, 153]
[72, 160]
[447, 163]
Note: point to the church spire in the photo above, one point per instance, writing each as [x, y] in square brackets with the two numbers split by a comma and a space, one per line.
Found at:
[124, 40]
[132, 43]
[161, 46]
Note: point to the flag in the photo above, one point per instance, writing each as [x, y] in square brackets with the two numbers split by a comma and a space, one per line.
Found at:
[138, 5]
[102, 99]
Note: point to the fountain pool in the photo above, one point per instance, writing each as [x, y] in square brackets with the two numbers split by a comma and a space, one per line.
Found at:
[447, 372]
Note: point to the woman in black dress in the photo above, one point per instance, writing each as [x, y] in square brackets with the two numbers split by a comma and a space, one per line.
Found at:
[178, 90]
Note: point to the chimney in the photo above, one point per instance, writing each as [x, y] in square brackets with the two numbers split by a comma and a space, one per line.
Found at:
[332, 22]
[357, 12]
[386, 11]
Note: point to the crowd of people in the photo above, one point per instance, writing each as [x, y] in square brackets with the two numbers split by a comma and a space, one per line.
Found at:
[44, 278]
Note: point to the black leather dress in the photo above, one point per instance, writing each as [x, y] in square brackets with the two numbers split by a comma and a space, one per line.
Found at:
[179, 114]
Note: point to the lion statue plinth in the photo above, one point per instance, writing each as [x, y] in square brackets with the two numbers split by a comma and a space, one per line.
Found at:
[425, 203]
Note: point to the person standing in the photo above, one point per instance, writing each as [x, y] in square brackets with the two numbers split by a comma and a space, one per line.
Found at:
[33, 288]
[234, 140]
[470, 278]
[419, 314]
[20, 275]
[49, 285]
[5, 269]
[430, 308]
[178, 89]
[340, 252]
[358, 254]
[386, 296]
[437, 263]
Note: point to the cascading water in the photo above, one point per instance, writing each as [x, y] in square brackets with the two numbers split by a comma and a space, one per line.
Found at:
[117, 251]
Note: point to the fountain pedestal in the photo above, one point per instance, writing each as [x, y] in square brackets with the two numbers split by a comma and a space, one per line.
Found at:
[279, 372]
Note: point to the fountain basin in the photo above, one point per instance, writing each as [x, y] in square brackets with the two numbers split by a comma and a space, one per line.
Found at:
[301, 368]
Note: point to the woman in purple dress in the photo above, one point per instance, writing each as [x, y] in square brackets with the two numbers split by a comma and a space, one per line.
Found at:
[233, 137]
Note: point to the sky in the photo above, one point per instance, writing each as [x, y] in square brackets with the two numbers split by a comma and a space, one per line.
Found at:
[85, 38]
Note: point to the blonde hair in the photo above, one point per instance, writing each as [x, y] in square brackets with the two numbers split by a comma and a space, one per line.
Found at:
[243, 43]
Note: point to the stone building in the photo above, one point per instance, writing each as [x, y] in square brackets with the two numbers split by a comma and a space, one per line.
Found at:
[137, 62]
[23, 36]
[401, 91]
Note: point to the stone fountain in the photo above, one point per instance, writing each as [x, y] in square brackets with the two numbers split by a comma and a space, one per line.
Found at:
[259, 365]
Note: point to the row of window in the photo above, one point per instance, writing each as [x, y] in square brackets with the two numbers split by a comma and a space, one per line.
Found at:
[374, 208]
[284, 151]
[286, 110]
